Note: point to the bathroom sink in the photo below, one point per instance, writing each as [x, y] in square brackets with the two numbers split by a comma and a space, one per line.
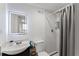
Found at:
[16, 48]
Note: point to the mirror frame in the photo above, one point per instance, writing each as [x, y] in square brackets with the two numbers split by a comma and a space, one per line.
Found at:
[9, 21]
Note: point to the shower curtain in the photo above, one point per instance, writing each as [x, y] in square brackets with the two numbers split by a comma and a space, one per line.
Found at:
[67, 30]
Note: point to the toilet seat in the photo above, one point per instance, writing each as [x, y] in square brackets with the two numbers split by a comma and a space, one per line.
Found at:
[43, 53]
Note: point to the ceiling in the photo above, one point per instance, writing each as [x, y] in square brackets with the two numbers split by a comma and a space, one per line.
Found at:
[49, 6]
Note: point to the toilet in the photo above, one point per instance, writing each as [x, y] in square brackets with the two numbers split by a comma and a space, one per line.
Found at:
[39, 44]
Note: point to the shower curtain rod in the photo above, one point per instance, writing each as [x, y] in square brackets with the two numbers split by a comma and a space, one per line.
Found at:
[62, 8]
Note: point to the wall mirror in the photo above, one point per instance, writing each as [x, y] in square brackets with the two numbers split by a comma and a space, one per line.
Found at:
[17, 23]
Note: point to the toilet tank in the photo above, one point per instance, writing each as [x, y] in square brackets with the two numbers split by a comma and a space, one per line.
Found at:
[39, 45]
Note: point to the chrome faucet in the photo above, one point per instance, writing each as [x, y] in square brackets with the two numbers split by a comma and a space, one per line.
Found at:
[18, 42]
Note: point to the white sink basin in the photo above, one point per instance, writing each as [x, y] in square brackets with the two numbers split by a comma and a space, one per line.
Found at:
[16, 48]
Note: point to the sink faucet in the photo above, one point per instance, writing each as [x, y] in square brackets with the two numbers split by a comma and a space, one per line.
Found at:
[18, 42]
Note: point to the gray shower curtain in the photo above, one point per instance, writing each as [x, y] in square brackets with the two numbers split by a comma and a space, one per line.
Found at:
[67, 35]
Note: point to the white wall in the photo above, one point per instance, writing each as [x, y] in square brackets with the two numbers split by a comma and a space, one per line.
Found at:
[38, 25]
[2, 24]
[50, 38]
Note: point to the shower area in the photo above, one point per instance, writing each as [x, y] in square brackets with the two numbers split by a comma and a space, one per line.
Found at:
[60, 32]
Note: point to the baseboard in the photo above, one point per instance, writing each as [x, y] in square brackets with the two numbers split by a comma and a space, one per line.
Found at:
[53, 53]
